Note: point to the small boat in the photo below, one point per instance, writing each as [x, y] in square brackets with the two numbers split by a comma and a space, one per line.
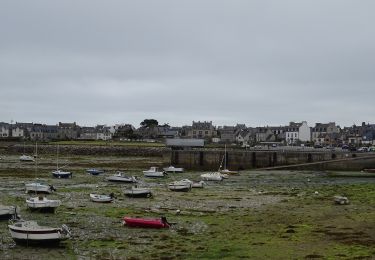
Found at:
[7, 212]
[42, 203]
[29, 232]
[121, 177]
[153, 172]
[138, 192]
[214, 176]
[94, 171]
[199, 184]
[39, 187]
[102, 198]
[226, 172]
[61, 174]
[173, 169]
[26, 158]
[146, 222]
[182, 185]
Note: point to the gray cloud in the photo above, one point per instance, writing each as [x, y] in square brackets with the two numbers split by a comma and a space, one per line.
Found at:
[253, 62]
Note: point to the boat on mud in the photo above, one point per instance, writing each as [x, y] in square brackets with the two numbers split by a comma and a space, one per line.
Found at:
[42, 203]
[8, 212]
[212, 176]
[39, 187]
[94, 171]
[102, 198]
[146, 222]
[154, 172]
[62, 174]
[121, 177]
[361, 174]
[138, 192]
[199, 184]
[30, 232]
[182, 185]
[369, 170]
[26, 158]
[173, 169]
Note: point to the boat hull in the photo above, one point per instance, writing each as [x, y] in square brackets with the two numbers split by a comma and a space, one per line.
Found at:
[138, 193]
[62, 175]
[121, 179]
[38, 188]
[144, 223]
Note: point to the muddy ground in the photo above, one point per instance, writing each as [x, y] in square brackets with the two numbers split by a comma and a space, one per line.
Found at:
[255, 215]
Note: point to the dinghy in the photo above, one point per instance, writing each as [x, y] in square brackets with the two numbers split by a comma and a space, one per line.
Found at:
[199, 184]
[146, 222]
[26, 158]
[102, 198]
[121, 177]
[29, 232]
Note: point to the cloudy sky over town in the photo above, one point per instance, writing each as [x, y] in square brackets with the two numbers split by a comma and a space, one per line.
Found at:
[254, 62]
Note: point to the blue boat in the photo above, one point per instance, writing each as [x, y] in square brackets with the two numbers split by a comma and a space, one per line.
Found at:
[94, 171]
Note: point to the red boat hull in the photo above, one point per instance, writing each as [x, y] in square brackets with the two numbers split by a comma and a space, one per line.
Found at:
[145, 222]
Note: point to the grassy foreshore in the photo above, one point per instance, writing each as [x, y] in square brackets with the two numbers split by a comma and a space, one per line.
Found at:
[255, 215]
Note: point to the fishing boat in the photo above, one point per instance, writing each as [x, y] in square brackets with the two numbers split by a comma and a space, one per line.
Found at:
[29, 232]
[213, 176]
[121, 177]
[94, 171]
[8, 212]
[153, 172]
[102, 198]
[42, 203]
[39, 187]
[146, 222]
[138, 192]
[173, 169]
[182, 185]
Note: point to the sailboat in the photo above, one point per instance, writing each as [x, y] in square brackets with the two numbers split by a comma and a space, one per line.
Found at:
[225, 170]
[26, 158]
[59, 173]
[40, 202]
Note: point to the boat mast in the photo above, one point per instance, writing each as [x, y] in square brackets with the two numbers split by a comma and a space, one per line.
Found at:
[57, 158]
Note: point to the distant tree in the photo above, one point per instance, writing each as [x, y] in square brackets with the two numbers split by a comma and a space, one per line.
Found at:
[149, 123]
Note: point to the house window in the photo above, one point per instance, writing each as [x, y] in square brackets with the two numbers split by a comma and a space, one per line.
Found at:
[206, 132]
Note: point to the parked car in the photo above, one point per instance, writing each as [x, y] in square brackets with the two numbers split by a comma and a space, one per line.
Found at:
[345, 147]
[318, 146]
[352, 148]
[371, 149]
[363, 149]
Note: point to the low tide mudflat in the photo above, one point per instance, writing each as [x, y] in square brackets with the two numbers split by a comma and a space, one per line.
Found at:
[255, 215]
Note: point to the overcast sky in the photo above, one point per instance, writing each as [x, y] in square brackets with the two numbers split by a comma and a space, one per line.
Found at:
[253, 62]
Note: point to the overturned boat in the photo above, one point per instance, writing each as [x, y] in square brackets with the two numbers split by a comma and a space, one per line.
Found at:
[29, 232]
[146, 222]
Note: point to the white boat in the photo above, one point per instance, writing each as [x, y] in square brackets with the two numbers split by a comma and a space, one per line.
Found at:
[225, 171]
[173, 169]
[7, 212]
[214, 176]
[62, 174]
[138, 192]
[121, 177]
[39, 187]
[59, 173]
[42, 203]
[29, 232]
[102, 198]
[26, 158]
[182, 185]
[153, 172]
